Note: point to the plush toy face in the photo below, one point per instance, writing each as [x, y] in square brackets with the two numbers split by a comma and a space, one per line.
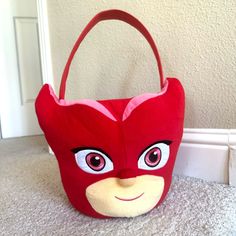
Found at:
[116, 157]
[124, 196]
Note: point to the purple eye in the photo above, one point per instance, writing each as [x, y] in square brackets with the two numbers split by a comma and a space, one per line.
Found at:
[95, 161]
[153, 157]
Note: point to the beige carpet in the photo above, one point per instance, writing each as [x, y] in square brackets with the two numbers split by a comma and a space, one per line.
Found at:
[32, 201]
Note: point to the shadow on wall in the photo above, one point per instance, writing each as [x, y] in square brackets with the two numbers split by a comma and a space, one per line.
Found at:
[107, 89]
[123, 81]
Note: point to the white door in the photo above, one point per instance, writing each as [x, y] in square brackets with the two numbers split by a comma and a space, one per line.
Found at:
[20, 67]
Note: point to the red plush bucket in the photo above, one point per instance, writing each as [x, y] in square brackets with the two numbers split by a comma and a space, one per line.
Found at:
[116, 157]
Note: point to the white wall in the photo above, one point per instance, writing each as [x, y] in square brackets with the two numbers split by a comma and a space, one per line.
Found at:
[196, 40]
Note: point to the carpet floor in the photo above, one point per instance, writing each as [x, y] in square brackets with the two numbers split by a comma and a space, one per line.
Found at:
[32, 201]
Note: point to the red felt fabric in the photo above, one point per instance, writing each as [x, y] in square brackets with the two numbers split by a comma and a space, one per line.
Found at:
[80, 126]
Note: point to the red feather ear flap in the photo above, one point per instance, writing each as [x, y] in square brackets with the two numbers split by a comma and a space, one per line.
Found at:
[176, 97]
[46, 107]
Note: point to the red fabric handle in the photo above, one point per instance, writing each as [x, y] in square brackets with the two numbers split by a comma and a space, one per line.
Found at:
[111, 15]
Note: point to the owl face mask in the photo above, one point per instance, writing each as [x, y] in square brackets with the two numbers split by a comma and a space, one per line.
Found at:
[116, 157]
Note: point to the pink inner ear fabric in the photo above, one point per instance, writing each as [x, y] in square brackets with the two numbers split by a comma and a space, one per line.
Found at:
[131, 106]
[88, 102]
[91, 103]
[136, 101]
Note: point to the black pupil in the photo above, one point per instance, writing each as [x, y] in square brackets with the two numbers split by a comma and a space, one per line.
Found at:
[95, 161]
[153, 156]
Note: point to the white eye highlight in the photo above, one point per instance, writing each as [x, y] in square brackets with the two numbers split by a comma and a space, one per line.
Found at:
[154, 157]
[93, 161]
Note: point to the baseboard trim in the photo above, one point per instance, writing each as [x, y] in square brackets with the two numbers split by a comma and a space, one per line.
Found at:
[208, 154]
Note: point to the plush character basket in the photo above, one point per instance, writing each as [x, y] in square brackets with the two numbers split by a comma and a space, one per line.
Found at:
[116, 157]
